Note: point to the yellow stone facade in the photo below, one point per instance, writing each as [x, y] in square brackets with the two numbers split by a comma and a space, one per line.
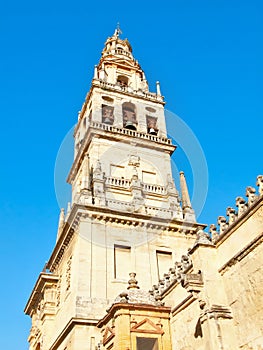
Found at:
[198, 291]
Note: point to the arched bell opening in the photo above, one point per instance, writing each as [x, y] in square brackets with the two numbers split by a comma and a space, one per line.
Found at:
[107, 114]
[152, 125]
[129, 116]
[122, 80]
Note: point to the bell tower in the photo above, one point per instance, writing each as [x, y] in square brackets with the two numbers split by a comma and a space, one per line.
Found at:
[126, 213]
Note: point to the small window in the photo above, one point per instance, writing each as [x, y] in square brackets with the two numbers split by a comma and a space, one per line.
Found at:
[122, 261]
[146, 343]
[164, 262]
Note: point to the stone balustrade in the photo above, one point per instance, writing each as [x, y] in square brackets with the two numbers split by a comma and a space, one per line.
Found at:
[117, 182]
[126, 183]
[157, 189]
[128, 132]
[128, 89]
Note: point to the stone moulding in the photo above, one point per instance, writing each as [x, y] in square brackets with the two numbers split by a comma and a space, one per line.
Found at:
[127, 91]
[121, 308]
[216, 312]
[241, 254]
[68, 328]
[43, 280]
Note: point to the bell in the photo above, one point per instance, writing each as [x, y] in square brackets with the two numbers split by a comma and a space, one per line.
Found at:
[107, 120]
[152, 131]
[130, 125]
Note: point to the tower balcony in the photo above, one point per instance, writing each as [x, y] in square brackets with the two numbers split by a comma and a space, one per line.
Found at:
[129, 132]
[128, 90]
[126, 184]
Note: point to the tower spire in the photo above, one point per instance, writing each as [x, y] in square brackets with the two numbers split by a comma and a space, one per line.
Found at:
[188, 211]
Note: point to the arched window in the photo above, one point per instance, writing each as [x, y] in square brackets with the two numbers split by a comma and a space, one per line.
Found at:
[129, 116]
[122, 80]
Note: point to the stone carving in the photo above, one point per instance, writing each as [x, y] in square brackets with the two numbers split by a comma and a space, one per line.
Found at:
[251, 194]
[134, 161]
[97, 172]
[202, 237]
[241, 205]
[232, 215]
[68, 273]
[186, 262]
[222, 224]
[260, 184]
[214, 233]
[133, 283]
[135, 295]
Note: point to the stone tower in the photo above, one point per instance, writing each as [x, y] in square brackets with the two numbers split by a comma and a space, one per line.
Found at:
[126, 213]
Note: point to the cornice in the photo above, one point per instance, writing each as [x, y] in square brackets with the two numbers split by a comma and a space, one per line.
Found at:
[239, 221]
[42, 280]
[131, 307]
[68, 328]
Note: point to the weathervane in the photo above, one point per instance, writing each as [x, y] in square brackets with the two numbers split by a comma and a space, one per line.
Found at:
[118, 30]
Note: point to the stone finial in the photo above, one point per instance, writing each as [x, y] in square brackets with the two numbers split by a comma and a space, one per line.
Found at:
[95, 72]
[221, 220]
[124, 297]
[214, 233]
[167, 281]
[202, 237]
[132, 281]
[172, 274]
[161, 285]
[97, 173]
[178, 271]
[158, 88]
[188, 211]
[251, 194]
[61, 219]
[241, 205]
[232, 215]
[186, 262]
[260, 184]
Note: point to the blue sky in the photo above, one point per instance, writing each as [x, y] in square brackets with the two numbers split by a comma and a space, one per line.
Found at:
[207, 56]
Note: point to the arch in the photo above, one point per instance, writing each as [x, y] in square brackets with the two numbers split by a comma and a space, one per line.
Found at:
[129, 116]
[122, 80]
[151, 125]
[107, 114]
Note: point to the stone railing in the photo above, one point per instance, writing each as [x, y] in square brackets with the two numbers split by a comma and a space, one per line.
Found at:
[126, 183]
[118, 182]
[128, 89]
[154, 188]
[242, 207]
[128, 132]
